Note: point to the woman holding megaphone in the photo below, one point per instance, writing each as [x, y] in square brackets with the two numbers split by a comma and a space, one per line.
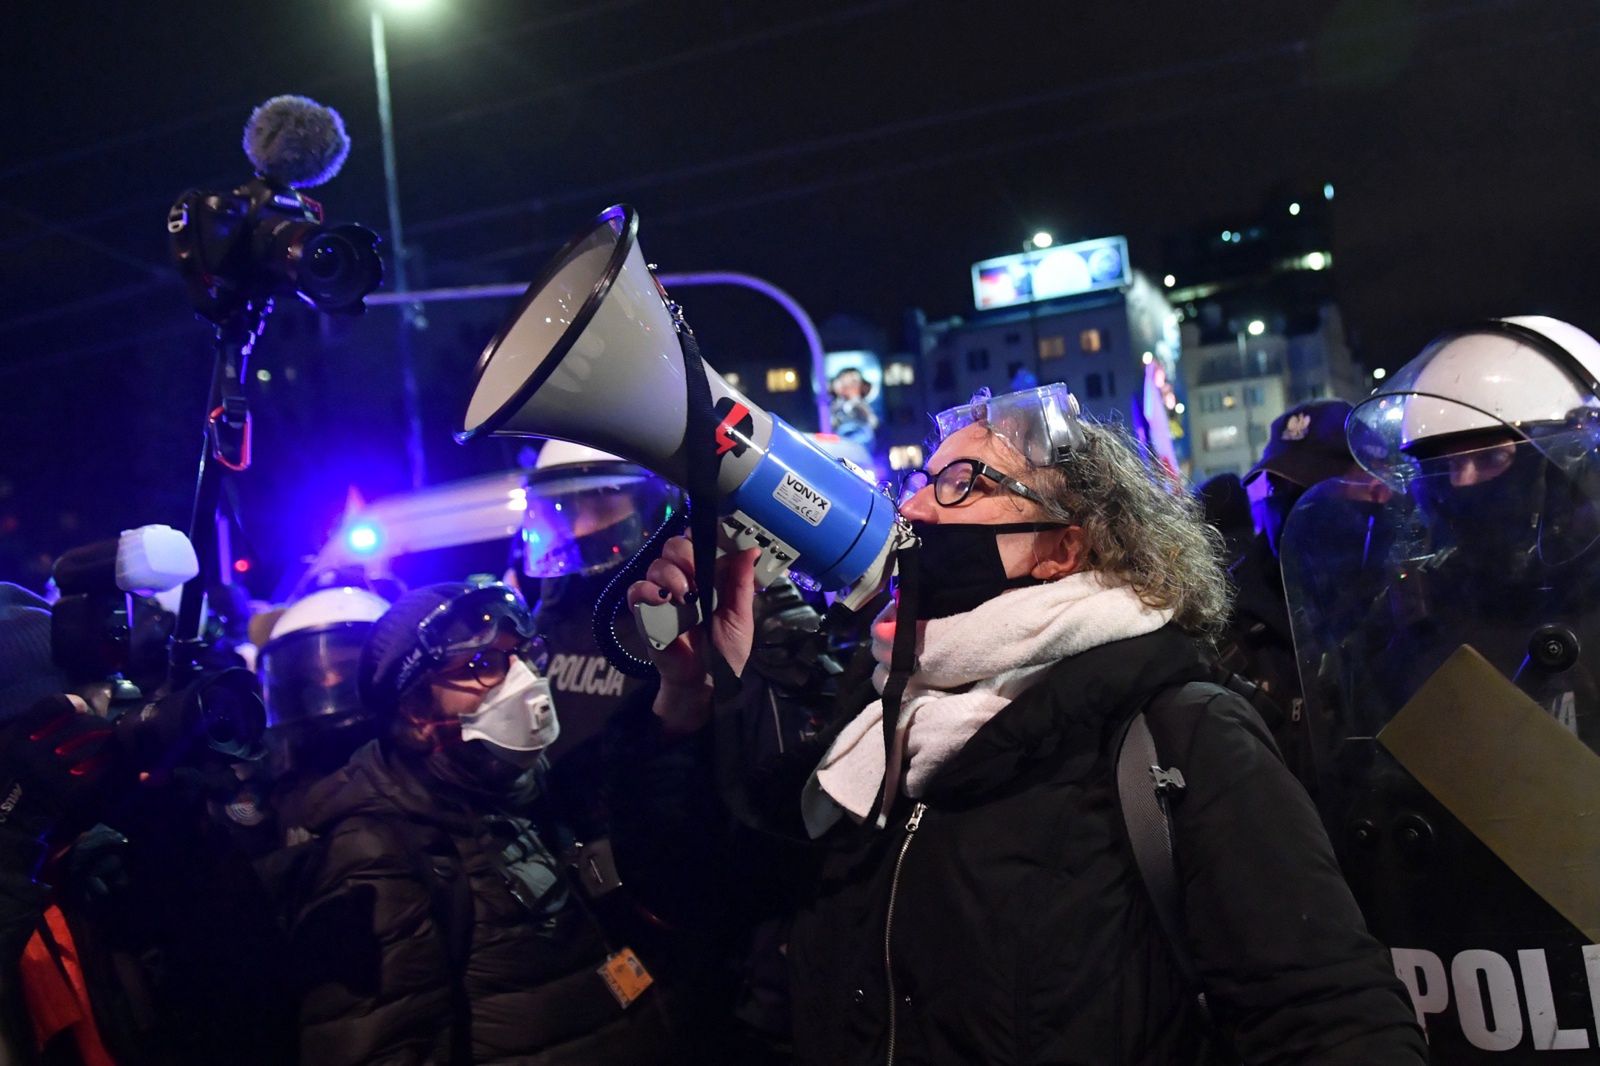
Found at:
[981, 889]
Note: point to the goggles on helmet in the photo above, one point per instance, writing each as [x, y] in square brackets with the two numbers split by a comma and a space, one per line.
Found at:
[1042, 424]
[470, 621]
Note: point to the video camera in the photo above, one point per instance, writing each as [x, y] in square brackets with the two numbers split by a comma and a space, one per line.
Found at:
[112, 639]
[263, 238]
[266, 237]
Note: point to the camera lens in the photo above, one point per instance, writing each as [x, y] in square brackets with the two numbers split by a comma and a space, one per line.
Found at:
[325, 263]
[338, 267]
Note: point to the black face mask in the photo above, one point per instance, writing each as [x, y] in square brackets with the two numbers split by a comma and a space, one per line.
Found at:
[473, 768]
[961, 565]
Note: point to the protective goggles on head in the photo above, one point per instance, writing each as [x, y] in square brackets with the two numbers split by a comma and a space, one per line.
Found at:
[467, 623]
[1042, 425]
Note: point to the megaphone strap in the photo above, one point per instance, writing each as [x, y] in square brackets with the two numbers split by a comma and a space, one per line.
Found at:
[902, 664]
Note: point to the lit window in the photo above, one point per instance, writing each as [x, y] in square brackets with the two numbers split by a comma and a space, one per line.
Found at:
[1221, 437]
[1052, 347]
[783, 379]
[1090, 340]
[1228, 400]
[899, 374]
[905, 457]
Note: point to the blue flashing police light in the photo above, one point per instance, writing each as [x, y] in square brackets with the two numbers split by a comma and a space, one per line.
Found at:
[362, 538]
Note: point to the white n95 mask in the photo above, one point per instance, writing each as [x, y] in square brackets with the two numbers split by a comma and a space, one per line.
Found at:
[517, 715]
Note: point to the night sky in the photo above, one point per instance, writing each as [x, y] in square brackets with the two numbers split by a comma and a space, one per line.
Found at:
[859, 154]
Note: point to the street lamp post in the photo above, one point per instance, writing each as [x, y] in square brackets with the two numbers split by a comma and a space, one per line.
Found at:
[411, 399]
[1037, 242]
[1255, 329]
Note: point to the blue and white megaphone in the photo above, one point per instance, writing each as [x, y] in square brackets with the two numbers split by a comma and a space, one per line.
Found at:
[591, 355]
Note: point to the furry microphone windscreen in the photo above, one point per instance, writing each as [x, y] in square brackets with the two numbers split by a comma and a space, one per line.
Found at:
[295, 140]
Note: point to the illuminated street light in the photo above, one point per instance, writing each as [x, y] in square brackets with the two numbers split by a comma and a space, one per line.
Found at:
[1294, 208]
[1043, 239]
[1327, 190]
[1379, 374]
[1180, 408]
[1256, 327]
[1169, 281]
[1316, 261]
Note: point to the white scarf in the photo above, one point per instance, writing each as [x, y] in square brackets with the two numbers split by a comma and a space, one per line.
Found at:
[969, 666]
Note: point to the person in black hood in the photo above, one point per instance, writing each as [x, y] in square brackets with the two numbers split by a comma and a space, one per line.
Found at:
[1307, 446]
[976, 899]
[440, 923]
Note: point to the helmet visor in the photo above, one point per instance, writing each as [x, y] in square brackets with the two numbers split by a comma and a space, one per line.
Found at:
[1042, 424]
[1441, 403]
[310, 675]
[588, 519]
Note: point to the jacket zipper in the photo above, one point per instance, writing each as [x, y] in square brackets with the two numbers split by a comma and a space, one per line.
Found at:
[888, 924]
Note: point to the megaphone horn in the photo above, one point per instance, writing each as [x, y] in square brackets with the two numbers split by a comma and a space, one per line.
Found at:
[592, 355]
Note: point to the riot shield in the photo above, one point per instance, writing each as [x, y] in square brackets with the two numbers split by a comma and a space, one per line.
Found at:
[1447, 624]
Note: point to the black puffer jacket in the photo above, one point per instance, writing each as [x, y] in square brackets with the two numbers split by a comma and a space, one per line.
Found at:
[1016, 928]
[375, 942]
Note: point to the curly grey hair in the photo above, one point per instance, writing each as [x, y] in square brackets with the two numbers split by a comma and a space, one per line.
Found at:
[1140, 527]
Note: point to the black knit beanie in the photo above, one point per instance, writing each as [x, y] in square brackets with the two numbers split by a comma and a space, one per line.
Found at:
[393, 637]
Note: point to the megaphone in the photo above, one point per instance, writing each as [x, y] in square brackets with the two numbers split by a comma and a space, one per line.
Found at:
[592, 355]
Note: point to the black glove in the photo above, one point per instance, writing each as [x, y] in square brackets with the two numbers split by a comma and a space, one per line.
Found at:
[55, 762]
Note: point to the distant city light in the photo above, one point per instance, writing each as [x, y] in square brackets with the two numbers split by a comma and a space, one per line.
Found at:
[1256, 327]
[1379, 374]
[1043, 239]
[1316, 260]
[1180, 408]
[362, 538]
[1169, 281]
[1149, 357]
[263, 375]
[1327, 190]
[1294, 208]
[1227, 235]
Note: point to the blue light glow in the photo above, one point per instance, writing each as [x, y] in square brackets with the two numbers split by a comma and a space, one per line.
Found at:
[362, 538]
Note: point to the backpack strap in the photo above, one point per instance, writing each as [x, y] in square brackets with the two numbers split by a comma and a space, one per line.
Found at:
[1145, 792]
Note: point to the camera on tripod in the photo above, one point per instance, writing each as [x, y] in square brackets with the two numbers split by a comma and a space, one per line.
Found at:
[112, 638]
[265, 237]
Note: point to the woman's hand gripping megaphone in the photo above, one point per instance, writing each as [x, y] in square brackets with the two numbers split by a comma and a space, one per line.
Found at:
[684, 701]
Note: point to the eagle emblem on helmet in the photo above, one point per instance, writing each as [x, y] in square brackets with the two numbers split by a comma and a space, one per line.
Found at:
[1296, 427]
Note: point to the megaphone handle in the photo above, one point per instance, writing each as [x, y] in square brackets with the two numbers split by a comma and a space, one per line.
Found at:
[661, 623]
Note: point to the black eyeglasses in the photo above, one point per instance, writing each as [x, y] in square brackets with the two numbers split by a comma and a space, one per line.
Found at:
[489, 666]
[954, 482]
